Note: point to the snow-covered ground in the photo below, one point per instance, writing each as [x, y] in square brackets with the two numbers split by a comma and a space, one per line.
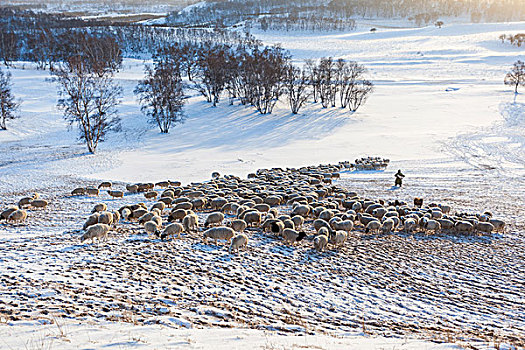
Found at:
[432, 86]
[106, 335]
[440, 112]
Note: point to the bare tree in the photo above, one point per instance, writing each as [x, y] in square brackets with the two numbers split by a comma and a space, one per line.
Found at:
[242, 80]
[8, 105]
[266, 78]
[161, 94]
[88, 99]
[297, 82]
[351, 73]
[516, 76]
[235, 82]
[189, 54]
[102, 52]
[9, 46]
[213, 73]
[327, 86]
[314, 78]
[353, 88]
[360, 94]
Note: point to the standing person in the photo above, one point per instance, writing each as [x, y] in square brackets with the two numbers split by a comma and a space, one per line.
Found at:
[399, 178]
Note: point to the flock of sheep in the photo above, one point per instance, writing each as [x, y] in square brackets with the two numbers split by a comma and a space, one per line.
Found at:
[294, 204]
[18, 213]
[370, 163]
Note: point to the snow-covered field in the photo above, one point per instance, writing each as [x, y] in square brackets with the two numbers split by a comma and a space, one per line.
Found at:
[440, 112]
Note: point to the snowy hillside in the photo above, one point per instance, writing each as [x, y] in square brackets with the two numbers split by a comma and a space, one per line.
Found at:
[440, 112]
[432, 85]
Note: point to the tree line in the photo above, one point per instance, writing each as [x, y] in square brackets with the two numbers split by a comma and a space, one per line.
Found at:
[256, 76]
[302, 22]
[322, 15]
[47, 38]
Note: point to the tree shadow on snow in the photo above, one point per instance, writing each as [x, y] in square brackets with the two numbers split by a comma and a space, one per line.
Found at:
[234, 127]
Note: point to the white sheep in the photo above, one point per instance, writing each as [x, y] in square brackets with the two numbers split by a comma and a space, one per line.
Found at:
[463, 227]
[379, 212]
[273, 200]
[446, 224]
[163, 184]
[105, 217]
[318, 223]
[338, 238]
[324, 231]
[39, 203]
[18, 215]
[91, 220]
[291, 236]
[191, 223]
[92, 191]
[79, 191]
[177, 214]
[298, 221]
[302, 210]
[326, 215]
[357, 207]
[116, 194]
[373, 226]
[230, 208]
[183, 205]
[252, 218]
[320, 242]
[25, 201]
[214, 219]
[499, 225]
[97, 231]
[437, 214]
[241, 240]
[174, 229]
[151, 195]
[263, 208]
[444, 208]
[410, 225]
[432, 225]
[151, 227]
[198, 203]
[219, 203]
[126, 212]
[159, 206]
[8, 211]
[136, 214]
[485, 227]
[387, 226]
[105, 184]
[216, 233]
[99, 207]
[157, 219]
[146, 217]
[333, 221]
[239, 225]
[288, 223]
[132, 188]
[346, 225]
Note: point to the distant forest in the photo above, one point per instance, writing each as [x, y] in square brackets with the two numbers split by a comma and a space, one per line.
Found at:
[339, 14]
[47, 38]
[99, 7]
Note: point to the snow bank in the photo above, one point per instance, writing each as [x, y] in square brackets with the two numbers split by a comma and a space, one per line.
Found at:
[94, 335]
